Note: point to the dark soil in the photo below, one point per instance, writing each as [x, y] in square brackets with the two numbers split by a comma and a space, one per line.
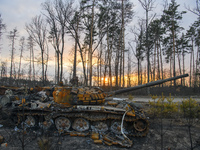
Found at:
[166, 134]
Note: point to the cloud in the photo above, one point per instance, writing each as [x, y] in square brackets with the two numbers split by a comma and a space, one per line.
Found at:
[16, 13]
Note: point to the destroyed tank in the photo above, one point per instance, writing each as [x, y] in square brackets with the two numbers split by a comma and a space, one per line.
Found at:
[82, 110]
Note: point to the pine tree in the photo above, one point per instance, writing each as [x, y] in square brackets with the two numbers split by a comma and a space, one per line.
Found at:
[170, 19]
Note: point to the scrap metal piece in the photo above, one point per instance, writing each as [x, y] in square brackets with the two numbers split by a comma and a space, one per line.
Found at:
[5, 100]
[113, 139]
[95, 136]
[98, 141]
[38, 104]
[82, 134]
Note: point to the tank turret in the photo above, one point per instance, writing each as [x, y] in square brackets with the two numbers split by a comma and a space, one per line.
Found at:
[95, 95]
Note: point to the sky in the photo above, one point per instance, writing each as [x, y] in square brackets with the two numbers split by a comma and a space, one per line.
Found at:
[16, 13]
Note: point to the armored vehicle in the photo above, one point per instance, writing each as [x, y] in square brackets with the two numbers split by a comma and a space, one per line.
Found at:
[83, 110]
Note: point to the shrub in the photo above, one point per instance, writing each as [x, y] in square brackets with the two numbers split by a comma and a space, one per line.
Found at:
[161, 107]
[190, 108]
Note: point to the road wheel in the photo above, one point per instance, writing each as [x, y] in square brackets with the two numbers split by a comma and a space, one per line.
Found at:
[80, 124]
[62, 124]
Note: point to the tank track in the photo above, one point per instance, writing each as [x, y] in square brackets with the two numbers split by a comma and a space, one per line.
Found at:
[90, 117]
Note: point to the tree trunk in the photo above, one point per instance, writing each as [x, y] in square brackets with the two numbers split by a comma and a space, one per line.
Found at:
[110, 67]
[174, 65]
[196, 70]
[154, 65]
[170, 61]
[12, 37]
[191, 64]
[129, 71]
[183, 66]
[30, 65]
[61, 54]
[123, 42]
[20, 61]
[138, 66]
[116, 68]
[161, 63]
[179, 63]
[83, 62]
[193, 69]
[33, 63]
[105, 70]
[158, 61]
[90, 46]
[46, 64]
[58, 66]
[120, 69]
[74, 79]
[100, 62]
[42, 53]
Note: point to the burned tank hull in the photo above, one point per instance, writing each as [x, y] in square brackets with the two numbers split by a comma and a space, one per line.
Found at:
[115, 117]
[105, 113]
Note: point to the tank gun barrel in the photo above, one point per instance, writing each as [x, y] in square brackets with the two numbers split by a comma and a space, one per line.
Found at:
[147, 84]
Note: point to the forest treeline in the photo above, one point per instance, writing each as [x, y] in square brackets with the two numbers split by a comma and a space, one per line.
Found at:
[101, 49]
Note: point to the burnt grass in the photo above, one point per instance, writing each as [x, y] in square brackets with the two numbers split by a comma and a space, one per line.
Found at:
[164, 133]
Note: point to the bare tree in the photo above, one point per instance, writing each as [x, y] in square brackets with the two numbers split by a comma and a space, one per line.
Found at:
[129, 69]
[95, 16]
[89, 23]
[22, 44]
[30, 45]
[46, 61]
[139, 49]
[195, 10]
[38, 31]
[3, 69]
[57, 15]
[12, 36]
[147, 6]
[33, 59]
[2, 26]
[73, 29]
[91, 43]
[75, 22]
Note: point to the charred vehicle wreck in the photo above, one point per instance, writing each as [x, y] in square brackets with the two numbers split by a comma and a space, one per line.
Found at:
[82, 111]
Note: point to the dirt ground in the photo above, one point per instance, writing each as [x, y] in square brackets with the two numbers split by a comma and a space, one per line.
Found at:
[166, 134]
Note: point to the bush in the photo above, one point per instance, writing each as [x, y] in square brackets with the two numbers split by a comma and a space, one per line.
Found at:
[190, 108]
[161, 107]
